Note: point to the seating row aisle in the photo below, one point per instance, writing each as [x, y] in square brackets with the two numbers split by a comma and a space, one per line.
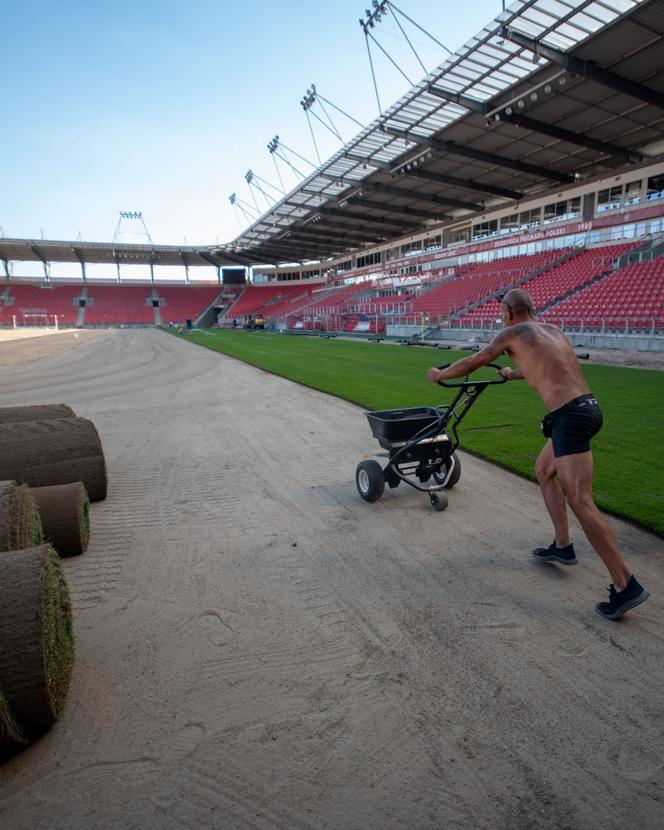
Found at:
[181, 303]
[557, 281]
[477, 280]
[635, 292]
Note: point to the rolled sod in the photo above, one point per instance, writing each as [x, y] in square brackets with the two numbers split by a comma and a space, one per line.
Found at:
[57, 451]
[10, 738]
[64, 513]
[42, 412]
[20, 525]
[36, 637]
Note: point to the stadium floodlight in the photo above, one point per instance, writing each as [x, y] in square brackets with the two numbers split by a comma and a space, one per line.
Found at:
[131, 215]
[309, 98]
[412, 162]
[374, 15]
[533, 95]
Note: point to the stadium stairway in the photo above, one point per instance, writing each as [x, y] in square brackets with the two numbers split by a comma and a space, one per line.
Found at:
[80, 317]
[516, 283]
[208, 317]
[595, 276]
[658, 246]
[653, 247]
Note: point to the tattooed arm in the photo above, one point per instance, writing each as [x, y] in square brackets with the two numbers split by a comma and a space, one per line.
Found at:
[469, 364]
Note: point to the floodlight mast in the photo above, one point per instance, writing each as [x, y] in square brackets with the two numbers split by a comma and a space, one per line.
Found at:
[275, 144]
[373, 17]
[252, 180]
[132, 215]
[246, 209]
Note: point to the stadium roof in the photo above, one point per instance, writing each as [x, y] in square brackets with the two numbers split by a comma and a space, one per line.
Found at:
[113, 253]
[550, 93]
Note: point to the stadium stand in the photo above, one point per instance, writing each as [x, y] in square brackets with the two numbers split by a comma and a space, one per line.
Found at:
[180, 303]
[272, 302]
[93, 304]
[253, 298]
[289, 303]
[478, 280]
[633, 294]
[335, 300]
[37, 304]
[118, 304]
[558, 281]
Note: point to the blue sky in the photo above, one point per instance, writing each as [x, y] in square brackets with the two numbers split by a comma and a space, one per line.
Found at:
[163, 106]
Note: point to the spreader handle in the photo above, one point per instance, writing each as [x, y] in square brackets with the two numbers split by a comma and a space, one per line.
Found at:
[466, 382]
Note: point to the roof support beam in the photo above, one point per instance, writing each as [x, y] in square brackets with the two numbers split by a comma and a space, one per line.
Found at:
[345, 214]
[240, 260]
[316, 240]
[417, 212]
[332, 235]
[481, 156]
[454, 181]
[275, 240]
[208, 258]
[294, 248]
[35, 250]
[462, 100]
[270, 254]
[81, 261]
[286, 254]
[536, 126]
[369, 162]
[586, 68]
[423, 197]
[525, 122]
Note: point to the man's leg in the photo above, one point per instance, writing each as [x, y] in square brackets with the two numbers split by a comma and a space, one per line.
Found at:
[576, 474]
[554, 499]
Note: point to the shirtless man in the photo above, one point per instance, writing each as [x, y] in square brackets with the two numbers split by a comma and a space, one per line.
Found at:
[545, 359]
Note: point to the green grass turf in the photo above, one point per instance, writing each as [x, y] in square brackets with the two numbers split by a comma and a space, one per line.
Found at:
[58, 631]
[502, 427]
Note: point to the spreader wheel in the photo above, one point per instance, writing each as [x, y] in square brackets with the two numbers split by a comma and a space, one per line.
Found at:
[370, 480]
[439, 501]
[456, 472]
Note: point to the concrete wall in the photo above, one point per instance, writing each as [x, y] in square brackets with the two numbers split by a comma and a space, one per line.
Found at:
[641, 343]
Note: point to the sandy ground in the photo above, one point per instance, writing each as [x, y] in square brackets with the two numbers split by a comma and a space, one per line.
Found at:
[259, 648]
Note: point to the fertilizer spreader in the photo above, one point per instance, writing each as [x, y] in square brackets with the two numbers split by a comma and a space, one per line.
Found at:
[421, 444]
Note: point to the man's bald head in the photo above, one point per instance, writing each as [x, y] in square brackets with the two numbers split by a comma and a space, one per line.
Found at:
[519, 303]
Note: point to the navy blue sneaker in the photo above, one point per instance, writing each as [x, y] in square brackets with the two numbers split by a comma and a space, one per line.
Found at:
[564, 556]
[622, 601]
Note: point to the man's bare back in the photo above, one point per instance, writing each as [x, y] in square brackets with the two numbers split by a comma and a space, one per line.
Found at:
[545, 359]
[543, 356]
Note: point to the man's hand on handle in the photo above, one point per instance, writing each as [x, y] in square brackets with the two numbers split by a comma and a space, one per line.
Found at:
[436, 375]
[510, 374]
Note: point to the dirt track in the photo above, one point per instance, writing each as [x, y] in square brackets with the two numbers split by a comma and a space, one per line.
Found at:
[258, 648]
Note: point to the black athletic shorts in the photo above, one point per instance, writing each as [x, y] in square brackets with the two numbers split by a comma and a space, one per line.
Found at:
[571, 426]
